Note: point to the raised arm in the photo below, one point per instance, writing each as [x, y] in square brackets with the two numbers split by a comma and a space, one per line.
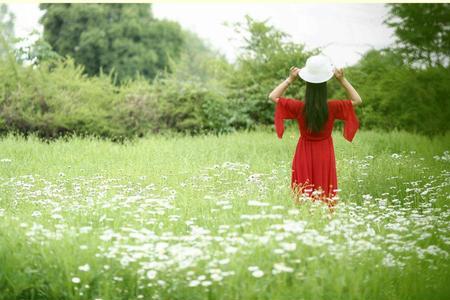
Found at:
[351, 92]
[281, 88]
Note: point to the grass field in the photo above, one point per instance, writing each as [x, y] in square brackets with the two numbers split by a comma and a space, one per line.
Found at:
[212, 218]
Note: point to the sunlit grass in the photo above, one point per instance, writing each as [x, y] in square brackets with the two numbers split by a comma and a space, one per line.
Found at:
[211, 217]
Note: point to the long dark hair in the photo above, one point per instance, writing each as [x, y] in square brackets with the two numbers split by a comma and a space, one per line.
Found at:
[315, 111]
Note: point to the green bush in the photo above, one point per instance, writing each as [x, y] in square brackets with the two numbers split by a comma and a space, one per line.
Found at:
[56, 99]
[190, 106]
[397, 96]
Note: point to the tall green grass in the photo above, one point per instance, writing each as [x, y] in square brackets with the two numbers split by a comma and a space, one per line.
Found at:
[84, 201]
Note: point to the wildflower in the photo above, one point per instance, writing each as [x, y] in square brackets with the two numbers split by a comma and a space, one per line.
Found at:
[206, 283]
[151, 274]
[230, 250]
[276, 207]
[278, 251]
[85, 229]
[257, 273]
[36, 213]
[76, 280]
[367, 197]
[216, 277]
[257, 203]
[57, 216]
[289, 246]
[194, 283]
[253, 268]
[254, 177]
[84, 268]
[161, 282]
[395, 155]
[281, 267]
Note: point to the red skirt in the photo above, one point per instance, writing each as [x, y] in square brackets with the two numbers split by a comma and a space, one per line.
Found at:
[314, 170]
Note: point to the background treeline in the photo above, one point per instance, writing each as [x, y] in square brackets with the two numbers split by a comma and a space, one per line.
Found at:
[115, 71]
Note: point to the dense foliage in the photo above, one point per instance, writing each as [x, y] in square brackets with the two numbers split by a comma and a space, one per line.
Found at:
[201, 92]
[422, 31]
[6, 28]
[398, 96]
[58, 99]
[114, 36]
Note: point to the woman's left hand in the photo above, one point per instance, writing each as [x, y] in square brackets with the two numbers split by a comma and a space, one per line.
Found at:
[293, 73]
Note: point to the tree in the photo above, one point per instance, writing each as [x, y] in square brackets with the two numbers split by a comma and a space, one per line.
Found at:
[200, 61]
[104, 37]
[398, 96]
[7, 19]
[263, 63]
[422, 30]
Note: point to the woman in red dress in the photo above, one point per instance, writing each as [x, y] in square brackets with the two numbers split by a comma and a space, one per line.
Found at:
[314, 166]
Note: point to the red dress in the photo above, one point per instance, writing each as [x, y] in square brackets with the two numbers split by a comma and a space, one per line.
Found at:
[314, 165]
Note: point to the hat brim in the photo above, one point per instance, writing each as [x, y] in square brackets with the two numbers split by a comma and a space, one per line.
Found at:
[315, 78]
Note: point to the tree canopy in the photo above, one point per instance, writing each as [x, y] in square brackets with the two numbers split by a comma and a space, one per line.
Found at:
[7, 19]
[422, 31]
[115, 36]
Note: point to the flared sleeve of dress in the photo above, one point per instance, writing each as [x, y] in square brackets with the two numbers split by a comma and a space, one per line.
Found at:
[286, 108]
[343, 110]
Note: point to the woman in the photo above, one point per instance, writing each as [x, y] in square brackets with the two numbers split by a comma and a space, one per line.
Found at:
[314, 165]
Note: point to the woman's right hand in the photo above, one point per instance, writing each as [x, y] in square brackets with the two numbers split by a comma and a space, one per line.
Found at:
[293, 73]
[339, 73]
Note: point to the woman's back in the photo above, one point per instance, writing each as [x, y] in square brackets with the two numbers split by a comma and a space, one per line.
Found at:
[337, 109]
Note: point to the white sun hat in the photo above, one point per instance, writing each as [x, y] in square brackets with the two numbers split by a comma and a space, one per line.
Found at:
[318, 68]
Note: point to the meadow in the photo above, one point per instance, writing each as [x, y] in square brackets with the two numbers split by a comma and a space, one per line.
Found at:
[212, 217]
